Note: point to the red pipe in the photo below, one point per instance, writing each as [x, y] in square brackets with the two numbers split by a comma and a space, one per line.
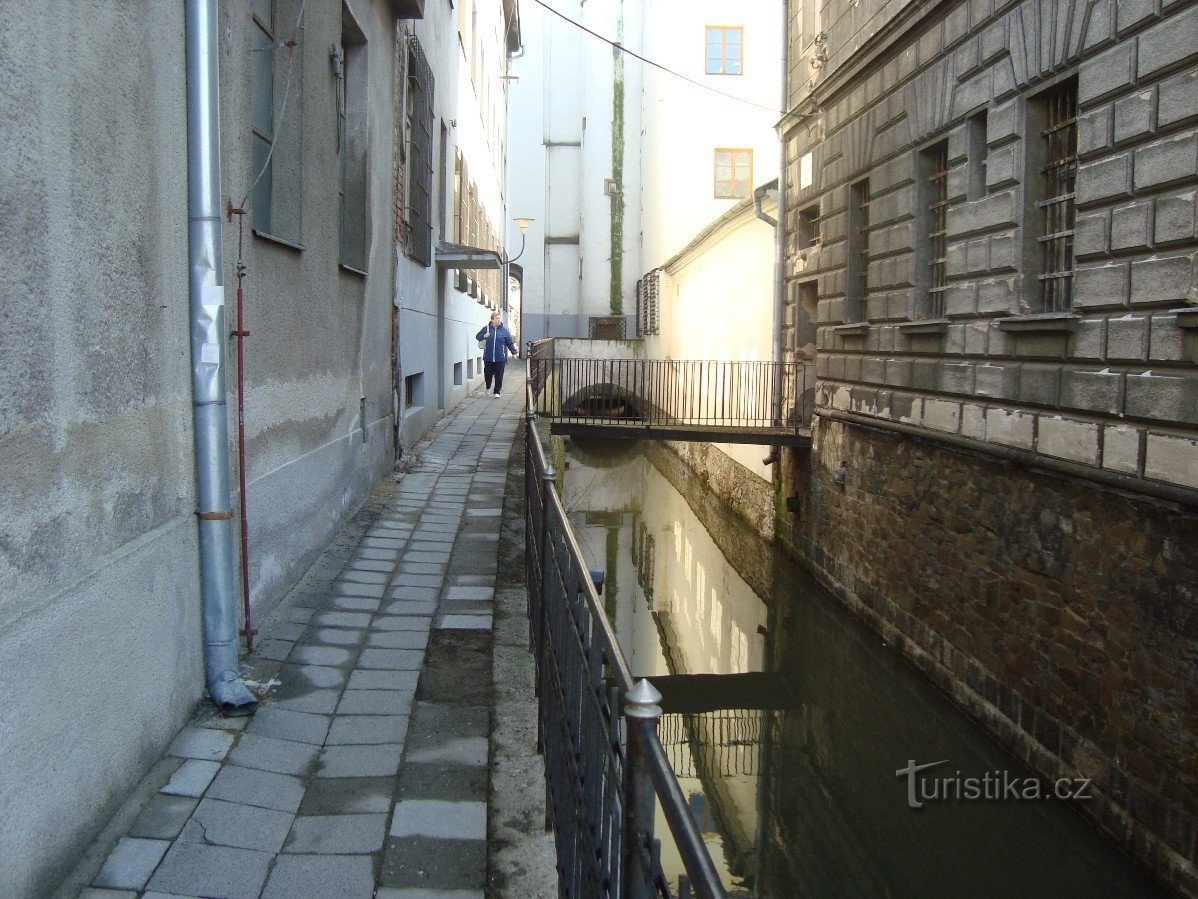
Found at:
[240, 333]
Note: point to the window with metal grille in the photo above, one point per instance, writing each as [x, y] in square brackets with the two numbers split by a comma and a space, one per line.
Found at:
[934, 170]
[808, 227]
[725, 50]
[606, 327]
[647, 292]
[857, 277]
[733, 173]
[1057, 203]
[418, 241]
[276, 119]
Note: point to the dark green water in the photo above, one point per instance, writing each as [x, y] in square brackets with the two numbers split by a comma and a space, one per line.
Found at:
[787, 721]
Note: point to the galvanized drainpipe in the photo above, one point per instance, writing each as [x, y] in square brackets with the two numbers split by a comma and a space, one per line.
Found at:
[780, 246]
[207, 304]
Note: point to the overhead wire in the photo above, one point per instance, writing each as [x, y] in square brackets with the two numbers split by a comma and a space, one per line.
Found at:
[621, 48]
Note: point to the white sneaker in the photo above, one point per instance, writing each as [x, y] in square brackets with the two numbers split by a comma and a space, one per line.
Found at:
[496, 395]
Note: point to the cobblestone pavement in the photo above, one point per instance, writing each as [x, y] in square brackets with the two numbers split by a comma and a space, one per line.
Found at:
[364, 772]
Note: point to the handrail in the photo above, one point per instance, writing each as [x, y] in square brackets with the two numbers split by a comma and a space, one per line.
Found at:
[605, 765]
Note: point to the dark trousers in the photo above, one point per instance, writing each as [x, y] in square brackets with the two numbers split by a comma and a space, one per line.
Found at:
[494, 370]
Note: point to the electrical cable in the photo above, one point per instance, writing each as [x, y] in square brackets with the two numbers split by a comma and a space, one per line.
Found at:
[278, 121]
[618, 46]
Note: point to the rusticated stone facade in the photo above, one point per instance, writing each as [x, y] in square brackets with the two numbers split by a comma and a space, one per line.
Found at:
[1005, 472]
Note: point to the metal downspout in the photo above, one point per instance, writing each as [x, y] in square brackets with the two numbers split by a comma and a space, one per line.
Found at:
[207, 306]
[780, 243]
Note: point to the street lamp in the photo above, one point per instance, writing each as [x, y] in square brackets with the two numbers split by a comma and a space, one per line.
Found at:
[522, 223]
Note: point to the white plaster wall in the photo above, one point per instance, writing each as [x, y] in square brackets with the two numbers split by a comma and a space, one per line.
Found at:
[717, 303]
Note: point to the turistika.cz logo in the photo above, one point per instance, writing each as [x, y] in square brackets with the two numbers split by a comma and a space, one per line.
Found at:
[993, 786]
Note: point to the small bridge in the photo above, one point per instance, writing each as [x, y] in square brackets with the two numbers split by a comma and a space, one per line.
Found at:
[596, 395]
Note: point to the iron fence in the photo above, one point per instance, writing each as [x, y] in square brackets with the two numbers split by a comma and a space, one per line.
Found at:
[605, 767]
[720, 743]
[672, 393]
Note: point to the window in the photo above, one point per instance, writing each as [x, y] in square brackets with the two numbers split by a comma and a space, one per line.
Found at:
[1058, 114]
[733, 173]
[457, 374]
[725, 49]
[808, 235]
[418, 242]
[857, 277]
[413, 390]
[276, 71]
[647, 292]
[932, 218]
[352, 137]
[975, 135]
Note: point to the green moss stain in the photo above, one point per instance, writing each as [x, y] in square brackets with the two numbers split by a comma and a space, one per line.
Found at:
[609, 576]
[617, 173]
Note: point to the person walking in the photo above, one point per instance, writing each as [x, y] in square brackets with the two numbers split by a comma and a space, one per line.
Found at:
[496, 342]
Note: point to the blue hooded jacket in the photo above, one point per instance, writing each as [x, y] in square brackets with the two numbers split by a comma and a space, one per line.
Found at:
[499, 342]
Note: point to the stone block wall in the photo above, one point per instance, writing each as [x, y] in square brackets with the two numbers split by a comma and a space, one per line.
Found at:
[1060, 616]
[1057, 611]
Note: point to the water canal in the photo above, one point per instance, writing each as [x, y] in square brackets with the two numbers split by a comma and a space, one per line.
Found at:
[787, 721]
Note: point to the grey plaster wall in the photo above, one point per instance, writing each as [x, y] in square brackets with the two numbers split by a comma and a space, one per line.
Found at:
[100, 631]
[99, 610]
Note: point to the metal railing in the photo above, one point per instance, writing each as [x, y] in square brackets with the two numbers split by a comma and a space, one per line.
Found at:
[605, 767]
[720, 743]
[671, 393]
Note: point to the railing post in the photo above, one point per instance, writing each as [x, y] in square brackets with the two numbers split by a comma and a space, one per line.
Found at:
[547, 477]
[642, 711]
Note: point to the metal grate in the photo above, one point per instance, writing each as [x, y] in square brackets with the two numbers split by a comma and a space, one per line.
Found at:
[857, 286]
[648, 290]
[1059, 209]
[938, 233]
[606, 327]
[419, 243]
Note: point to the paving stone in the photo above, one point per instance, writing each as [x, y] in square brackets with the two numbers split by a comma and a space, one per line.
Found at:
[236, 824]
[402, 623]
[335, 656]
[320, 702]
[344, 876]
[350, 588]
[356, 603]
[455, 751]
[101, 893]
[395, 659]
[456, 593]
[337, 834]
[471, 580]
[278, 756]
[406, 592]
[383, 679]
[284, 724]
[424, 893]
[348, 796]
[375, 702]
[417, 580]
[359, 730]
[410, 607]
[378, 555]
[434, 558]
[469, 607]
[364, 577]
[371, 565]
[202, 870]
[201, 743]
[313, 676]
[131, 863]
[484, 513]
[465, 622]
[274, 650]
[399, 640]
[453, 783]
[437, 819]
[334, 636]
[422, 568]
[343, 619]
[264, 789]
[299, 614]
[163, 817]
[191, 778]
[378, 760]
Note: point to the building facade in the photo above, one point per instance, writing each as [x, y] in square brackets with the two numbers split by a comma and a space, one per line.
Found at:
[990, 264]
[621, 161]
[99, 570]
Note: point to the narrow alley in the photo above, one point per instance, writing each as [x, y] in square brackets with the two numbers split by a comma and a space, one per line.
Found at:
[367, 762]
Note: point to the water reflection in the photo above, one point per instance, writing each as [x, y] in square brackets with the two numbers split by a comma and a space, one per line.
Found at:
[786, 721]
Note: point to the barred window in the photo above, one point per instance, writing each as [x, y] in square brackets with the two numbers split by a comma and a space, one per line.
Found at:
[647, 303]
[934, 213]
[1057, 203]
[353, 135]
[857, 277]
[418, 243]
[276, 118]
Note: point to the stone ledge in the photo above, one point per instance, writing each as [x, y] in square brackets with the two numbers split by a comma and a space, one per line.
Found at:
[1187, 317]
[853, 329]
[1040, 321]
[925, 326]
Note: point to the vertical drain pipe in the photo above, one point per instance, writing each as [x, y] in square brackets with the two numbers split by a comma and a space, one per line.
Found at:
[207, 304]
[780, 246]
